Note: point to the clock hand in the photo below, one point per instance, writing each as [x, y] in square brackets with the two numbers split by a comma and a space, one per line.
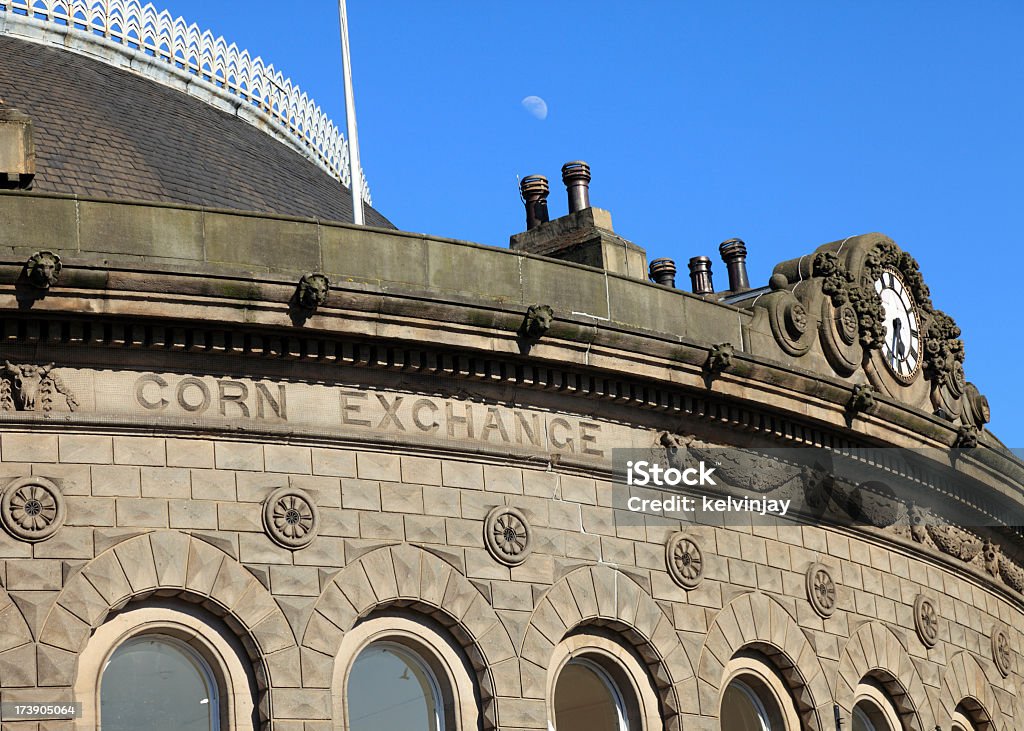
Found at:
[898, 348]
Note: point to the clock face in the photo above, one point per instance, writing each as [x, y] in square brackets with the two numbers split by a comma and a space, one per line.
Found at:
[901, 349]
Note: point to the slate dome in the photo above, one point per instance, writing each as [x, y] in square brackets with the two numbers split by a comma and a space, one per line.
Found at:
[103, 131]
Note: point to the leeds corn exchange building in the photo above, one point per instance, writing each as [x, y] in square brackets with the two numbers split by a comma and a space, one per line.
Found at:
[264, 469]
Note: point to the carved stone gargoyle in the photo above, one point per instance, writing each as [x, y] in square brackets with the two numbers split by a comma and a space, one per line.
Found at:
[537, 322]
[310, 293]
[42, 270]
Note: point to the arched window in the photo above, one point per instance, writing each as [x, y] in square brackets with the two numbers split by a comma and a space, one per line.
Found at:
[597, 683]
[155, 681]
[392, 687]
[874, 710]
[587, 699]
[744, 709]
[398, 670]
[755, 697]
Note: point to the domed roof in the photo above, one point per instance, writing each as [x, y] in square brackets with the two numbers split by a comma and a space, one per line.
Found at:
[103, 131]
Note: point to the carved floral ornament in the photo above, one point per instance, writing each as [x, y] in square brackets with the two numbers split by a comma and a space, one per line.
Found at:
[821, 589]
[684, 560]
[291, 518]
[32, 509]
[1002, 652]
[507, 535]
[926, 620]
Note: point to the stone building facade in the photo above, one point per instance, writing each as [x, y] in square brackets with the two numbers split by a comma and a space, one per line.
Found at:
[270, 448]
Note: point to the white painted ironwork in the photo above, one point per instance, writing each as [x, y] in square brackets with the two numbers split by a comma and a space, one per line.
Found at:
[145, 33]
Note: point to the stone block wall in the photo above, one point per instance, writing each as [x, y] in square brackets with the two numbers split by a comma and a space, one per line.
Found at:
[154, 516]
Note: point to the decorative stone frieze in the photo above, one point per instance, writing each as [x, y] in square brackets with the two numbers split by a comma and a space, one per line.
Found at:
[821, 589]
[32, 509]
[926, 620]
[507, 535]
[290, 517]
[29, 387]
[684, 560]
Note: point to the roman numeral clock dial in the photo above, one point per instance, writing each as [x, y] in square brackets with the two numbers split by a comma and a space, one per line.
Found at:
[901, 350]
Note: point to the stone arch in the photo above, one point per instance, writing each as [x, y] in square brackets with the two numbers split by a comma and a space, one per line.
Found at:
[966, 679]
[875, 651]
[754, 621]
[17, 652]
[167, 563]
[602, 596]
[404, 575]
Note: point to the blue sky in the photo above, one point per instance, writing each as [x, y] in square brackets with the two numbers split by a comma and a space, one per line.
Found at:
[786, 124]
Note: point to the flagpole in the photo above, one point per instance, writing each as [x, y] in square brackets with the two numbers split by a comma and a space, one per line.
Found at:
[355, 172]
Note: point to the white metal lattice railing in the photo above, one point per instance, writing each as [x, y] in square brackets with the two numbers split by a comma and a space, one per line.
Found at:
[144, 30]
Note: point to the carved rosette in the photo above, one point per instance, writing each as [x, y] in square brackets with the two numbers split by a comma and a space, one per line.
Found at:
[821, 590]
[926, 620]
[789, 319]
[32, 509]
[507, 535]
[684, 561]
[1002, 653]
[291, 518]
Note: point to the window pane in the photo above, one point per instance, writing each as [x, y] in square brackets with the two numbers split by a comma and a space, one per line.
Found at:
[388, 689]
[861, 722]
[740, 710]
[150, 684]
[584, 701]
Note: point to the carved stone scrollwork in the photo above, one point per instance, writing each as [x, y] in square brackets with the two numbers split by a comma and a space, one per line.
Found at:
[507, 535]
[42, 270]
[684, 561]
[821, 590]
[537, 322]
[28, 387]
[720, 357]
[788, 317]
[32, 509]
[976, 411]
[926, 620]
[1002, 652]
[291, 518]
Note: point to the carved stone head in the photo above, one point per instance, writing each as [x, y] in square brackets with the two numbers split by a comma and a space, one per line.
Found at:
[312, 291]
[26, 381]
[538, 321]
[43, 269]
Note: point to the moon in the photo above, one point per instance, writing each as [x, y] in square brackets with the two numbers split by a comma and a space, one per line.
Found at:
[535, 107]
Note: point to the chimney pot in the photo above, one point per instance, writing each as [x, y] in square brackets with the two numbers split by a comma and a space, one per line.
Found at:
[663, 271]
[576, 176]
[734, 254]
[700, 275]
[534, 189]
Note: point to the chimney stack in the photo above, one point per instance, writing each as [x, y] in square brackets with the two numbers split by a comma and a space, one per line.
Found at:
[663, 271]
[534, 189]
[576, 176]
[734, 254]
[700, 275]
[17, 151]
